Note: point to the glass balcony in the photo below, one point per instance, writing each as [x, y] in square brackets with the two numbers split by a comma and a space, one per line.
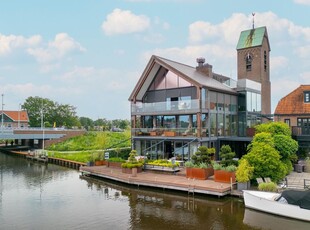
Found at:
[164, 132]
[163, 107]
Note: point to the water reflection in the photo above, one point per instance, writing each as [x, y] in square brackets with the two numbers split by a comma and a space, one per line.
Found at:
[38, 196]
[149, 208]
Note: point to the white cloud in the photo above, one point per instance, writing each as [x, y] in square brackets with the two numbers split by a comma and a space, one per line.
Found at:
[11, 42]
[278, 62]
[302, 2]
[124, 22]
[62, 45]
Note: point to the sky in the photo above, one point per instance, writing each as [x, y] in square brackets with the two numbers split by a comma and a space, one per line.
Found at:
[91, 53]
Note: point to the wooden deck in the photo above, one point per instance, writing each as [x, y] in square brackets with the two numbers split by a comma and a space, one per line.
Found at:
[177, 182]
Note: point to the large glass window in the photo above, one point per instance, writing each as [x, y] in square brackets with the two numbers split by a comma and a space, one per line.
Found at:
[233, 105]
[213, 124]
[233, 125]
[227, 126]
[169, 122]
[220, 125]
[253, 102]
[220, 102]
[167, 80]
[227, 102]
[213, 101]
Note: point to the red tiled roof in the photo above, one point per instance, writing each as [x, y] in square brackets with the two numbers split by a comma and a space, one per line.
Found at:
[293, 103]
[15, 115]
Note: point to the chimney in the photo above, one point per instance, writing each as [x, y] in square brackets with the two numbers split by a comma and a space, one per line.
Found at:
[204, 68]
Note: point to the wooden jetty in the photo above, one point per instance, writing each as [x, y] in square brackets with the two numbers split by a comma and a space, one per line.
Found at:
[161, 181]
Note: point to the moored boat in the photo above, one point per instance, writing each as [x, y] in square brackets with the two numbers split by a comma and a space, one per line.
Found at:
[289, 203]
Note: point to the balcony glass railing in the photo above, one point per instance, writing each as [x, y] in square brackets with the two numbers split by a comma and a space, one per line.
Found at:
[165, 132]
[165, 106]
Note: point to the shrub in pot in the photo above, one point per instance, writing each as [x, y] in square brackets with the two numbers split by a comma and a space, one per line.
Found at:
[244, 174]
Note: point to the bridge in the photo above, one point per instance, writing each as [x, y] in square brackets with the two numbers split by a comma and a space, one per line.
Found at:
[37, 137]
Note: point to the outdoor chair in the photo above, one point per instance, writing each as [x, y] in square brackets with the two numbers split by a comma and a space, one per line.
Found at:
[267, 180]
[259, 180]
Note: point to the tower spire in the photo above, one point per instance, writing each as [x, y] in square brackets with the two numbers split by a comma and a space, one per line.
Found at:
[253, 14]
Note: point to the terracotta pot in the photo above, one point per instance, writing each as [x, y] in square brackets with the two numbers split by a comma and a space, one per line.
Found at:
[224, 176]
[99, 163]
[169, 134]
[115, 164]
[129, 171]
[198, 173]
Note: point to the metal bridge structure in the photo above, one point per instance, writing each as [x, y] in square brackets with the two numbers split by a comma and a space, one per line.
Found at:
[37, 137]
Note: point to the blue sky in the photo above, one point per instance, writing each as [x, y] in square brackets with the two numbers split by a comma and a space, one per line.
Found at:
[91, 53]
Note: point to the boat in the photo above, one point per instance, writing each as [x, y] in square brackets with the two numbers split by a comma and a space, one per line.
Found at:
[290, 203]
[262, 220]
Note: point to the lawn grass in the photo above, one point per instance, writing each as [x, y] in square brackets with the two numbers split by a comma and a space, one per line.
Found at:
[91, 146]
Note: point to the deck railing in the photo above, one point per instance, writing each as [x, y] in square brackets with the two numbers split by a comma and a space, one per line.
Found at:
[165, 132]
[300, 131]
[165, 106]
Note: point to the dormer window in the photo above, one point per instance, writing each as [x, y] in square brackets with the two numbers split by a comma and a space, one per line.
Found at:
[307, 97]
[248, 61]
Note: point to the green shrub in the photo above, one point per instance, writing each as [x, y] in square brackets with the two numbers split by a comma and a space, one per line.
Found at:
[163, 162]
[116, 159]
[203, 155]
[203, 165]
[268, 187]
[230, 168]
[189, 164]
[244, 171]
[227, 156]
[131, 165]
[217, 166]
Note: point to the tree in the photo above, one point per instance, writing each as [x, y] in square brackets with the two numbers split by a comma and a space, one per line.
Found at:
[266, 162]
[52, 112]
[86, 122]
[227, 156]
[271, 150]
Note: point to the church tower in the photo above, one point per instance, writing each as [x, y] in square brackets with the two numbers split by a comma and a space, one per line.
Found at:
[253, 54]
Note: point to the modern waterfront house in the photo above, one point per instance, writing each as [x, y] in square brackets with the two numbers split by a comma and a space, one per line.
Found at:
[175, 108]
[294, 110]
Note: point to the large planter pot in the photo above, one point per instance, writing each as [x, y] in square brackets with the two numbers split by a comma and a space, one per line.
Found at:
[99, 163]
[224, 176]
[129, 171]
[243, 185]
[169, 133]
[115, 164]
[199, 173]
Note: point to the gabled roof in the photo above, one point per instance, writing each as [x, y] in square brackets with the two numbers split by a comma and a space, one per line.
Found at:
[189, 73]
[293, 103]
[252, 38]
[16, 115]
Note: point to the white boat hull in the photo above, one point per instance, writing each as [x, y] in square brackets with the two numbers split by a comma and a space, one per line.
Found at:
[265, 202]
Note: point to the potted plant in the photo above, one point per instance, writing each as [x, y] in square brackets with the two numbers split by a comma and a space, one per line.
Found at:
[244, 174]
[99, 160]
[115, 162]
[132, 164]
[91, 160]
[224, 174]
[200, 165]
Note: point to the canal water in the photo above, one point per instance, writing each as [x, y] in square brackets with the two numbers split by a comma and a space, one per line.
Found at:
[38, 196]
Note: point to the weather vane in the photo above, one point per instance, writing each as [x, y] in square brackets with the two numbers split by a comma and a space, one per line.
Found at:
[253, 14]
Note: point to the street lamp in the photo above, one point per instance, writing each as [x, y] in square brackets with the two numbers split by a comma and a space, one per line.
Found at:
[19, 108]
[42, 127]
[2, 95]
